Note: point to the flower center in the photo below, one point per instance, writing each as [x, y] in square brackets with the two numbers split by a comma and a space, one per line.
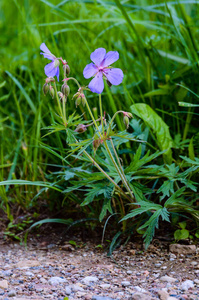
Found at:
[56, 63]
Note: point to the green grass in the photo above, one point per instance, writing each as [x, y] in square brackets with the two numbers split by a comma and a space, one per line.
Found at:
[158, 45]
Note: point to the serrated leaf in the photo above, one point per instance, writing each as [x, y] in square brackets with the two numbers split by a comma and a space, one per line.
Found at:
[158, 126]
[105, 207]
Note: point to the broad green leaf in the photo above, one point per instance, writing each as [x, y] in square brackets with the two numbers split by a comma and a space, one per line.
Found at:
[182, 224]
[157, 125]
[181, 234]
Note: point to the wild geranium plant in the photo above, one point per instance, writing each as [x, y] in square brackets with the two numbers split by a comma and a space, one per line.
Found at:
[112, 180]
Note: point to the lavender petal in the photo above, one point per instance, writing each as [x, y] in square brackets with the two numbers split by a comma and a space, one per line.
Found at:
[110, 58]
[50, 70]
[114, 75]
[98, 55]
[90, 70]
[57, 73]
[44, 48]
[97, 84]
[49, 56]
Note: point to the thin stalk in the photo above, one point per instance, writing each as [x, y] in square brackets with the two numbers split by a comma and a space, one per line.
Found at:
[123, 178]
[107, 176]
[87, 105]
[122, 171]
[188, 120]
[58, 102]
[101, 113]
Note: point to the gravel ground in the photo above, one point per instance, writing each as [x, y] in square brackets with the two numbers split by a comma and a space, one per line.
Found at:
[49, 271]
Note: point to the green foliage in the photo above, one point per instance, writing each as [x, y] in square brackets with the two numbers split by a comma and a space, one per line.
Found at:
[158, 46]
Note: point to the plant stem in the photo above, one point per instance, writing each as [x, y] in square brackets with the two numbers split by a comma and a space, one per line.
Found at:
[123, 178]
[188, 120]
[122, 171]
[101, 113]
[58, 101]
[107, 176]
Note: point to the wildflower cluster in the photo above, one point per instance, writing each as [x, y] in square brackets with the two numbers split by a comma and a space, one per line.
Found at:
[101, 71]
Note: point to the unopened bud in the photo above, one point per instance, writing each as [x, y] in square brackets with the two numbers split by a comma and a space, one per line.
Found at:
[65, 89]
[126, 121]
[52, 92]
[81, 128]
[78, 101]
[96, 143]
[66, 69]
[45, 88]
[50, 79]
[83, 99]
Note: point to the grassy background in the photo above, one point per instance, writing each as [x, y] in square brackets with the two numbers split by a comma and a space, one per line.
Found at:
[158, 46]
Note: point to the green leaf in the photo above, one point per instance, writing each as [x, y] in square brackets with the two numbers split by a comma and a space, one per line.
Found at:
[182, 224]
[197, 234]
[105, 207]
[181, 234]
[191, 149]
[157, 125]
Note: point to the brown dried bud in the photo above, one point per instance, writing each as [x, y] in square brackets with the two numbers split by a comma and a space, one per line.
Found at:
[96, 143]
[81, 128]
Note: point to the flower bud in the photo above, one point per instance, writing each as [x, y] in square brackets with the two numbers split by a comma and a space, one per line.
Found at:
[78, 101]
[50, 79]
[81, 128]
[52, 92]
[83, 99]
[45, 88]
[66, 69]
[96, 143]
[126, 121]
[65, 89]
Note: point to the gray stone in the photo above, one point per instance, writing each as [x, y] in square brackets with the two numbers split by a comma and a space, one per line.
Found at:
[182, 249]
[196, 281]
[163, 295]
[101, 298]
[140, 296]
[76, 288]
[3, 284]
[139, 289]
[187, 284]
[89, 279]
[68, 290]
[125, 283]
[56, 280]
[11, 293]
[167, 279]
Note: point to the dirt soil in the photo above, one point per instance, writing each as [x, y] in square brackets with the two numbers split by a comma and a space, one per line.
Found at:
[72, 268]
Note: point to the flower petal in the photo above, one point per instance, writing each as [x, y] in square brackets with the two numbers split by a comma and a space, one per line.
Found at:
[98, 55]
[114, 75]
[50, 70]
[47, 53]
[57, 73]
[97, 84]
[90, 70]
[44, 48]
[49, 56]
[110, 58]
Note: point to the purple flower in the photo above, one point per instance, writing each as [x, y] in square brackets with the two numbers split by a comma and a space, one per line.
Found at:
[51, 69]
[102, 61]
